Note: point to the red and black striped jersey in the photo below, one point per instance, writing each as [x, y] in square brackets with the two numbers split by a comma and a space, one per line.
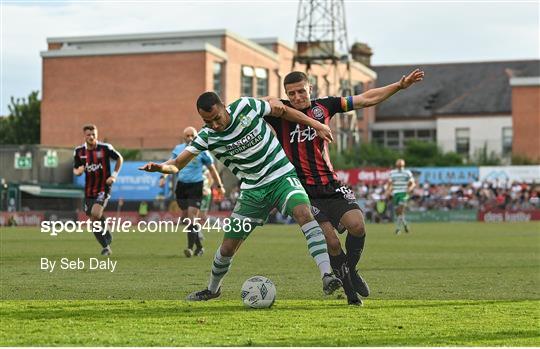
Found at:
[307, 152]
[97, 166]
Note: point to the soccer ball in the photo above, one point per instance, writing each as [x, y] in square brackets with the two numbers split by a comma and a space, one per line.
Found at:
[258, 292]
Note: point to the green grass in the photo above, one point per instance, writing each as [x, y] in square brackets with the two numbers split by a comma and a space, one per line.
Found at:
[445, 284]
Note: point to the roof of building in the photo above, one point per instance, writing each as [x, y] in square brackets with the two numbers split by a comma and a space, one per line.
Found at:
[479, 88]
[181, 41]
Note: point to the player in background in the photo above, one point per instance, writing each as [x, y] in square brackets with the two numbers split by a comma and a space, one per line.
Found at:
[400, 184]
[189, 187]
[333, 204]
[93, 158]
[238, 136]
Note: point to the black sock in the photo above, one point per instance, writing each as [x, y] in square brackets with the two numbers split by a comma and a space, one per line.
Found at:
[107, 236]
[190, 239]
[337, 261]
[197, 239]
[355, 246]
[98, 233]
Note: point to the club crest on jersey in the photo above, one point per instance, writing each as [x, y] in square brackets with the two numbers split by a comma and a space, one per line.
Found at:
[317, 113]
[244, 120]
[99, 154]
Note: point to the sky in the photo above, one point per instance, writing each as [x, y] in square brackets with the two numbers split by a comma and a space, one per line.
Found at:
[399, 32]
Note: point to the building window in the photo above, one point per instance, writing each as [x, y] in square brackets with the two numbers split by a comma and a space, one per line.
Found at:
[392, 139]
[424, 135]
[398, 139]
[262, 82]
[377, 137]
[408, 135]
[246, 86]
[218, 79]
[507, 140]
[463, 140]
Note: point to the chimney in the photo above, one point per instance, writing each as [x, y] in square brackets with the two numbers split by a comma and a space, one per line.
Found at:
[362, 53]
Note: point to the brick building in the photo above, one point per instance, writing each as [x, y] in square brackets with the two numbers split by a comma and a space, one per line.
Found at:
[526, 116]
[140, 89]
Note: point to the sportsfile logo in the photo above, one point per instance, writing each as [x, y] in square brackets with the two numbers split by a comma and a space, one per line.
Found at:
[114, 224]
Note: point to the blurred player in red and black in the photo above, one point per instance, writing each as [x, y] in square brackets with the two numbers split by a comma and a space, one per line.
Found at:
[94, 159]
[334, 204]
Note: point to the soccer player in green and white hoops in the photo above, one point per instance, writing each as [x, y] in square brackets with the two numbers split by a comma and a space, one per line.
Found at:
[401, 183]
[239, 137]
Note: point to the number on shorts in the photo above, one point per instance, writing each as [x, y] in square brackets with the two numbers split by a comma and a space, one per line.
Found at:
[295, 182]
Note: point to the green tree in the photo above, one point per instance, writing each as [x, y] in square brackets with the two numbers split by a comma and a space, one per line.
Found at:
[483, 158]
[420, 153]
[372, 154]
[22, 125]
[416, 153]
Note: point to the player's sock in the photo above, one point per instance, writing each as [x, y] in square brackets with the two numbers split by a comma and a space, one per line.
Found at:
[196, 239]
[190, 240]
[337, 261]
[398, 222]
[98, 233]
[107, 235]
[220, 267]
[317, 246]
[355, 247]
[403, 220]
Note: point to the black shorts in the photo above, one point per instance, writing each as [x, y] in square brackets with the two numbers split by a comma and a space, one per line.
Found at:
[101, 199]
[330, 202]
[189, 194]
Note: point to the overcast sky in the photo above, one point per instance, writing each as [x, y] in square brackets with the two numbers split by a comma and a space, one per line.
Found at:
[399, 32]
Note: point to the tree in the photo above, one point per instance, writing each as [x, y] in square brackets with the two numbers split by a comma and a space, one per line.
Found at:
[420, 153]
[22, 126]
[416, 153]
[483, 158]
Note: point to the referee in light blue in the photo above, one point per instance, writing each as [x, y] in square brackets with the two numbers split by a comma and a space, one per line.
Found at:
[189, 187]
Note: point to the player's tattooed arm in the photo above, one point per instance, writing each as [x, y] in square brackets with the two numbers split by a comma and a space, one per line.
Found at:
[170, 166]
[377, 95]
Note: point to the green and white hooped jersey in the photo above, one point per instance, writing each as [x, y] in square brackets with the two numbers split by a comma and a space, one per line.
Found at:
[400, 180]
[247, 146]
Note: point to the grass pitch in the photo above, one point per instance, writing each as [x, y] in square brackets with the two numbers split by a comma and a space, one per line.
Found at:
[445, 284]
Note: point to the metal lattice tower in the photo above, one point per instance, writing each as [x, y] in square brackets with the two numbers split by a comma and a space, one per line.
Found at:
[321, 39]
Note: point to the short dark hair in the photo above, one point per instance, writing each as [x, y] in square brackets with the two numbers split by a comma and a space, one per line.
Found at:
[207, 100]
[90, 127]
[294, 77]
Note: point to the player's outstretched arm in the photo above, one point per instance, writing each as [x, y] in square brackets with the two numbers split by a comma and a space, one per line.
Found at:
[170, 166]
[377, 95]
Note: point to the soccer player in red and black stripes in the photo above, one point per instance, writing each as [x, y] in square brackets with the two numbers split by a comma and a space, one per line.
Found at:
[334, 204]
[94, 159]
